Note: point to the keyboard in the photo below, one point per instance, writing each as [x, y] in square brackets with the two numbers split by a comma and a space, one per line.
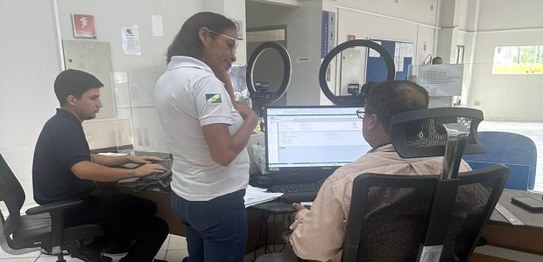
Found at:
[157, 180]
[297, 192]
[295, 188]
[160, 180]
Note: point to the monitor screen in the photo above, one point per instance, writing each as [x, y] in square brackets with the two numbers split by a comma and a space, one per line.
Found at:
[312, 137]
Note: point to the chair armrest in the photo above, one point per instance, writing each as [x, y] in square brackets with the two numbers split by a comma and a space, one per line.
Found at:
[52, 207]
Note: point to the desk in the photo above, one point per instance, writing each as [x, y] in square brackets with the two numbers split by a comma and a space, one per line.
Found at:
[254, 217]
[526, 238]
[498, 232]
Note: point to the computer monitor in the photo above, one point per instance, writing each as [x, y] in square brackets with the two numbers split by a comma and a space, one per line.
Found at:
[312, 138]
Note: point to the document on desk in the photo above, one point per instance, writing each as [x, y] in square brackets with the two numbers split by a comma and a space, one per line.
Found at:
[256, 195]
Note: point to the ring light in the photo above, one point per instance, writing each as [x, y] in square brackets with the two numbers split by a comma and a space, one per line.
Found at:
[259, 97]
[353, 99]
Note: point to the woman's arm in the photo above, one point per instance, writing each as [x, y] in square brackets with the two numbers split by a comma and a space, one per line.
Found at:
[223, 146]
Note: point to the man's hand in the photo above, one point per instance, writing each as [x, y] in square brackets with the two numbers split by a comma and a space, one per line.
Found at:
[144, 159]
[148, 169]
[298, 207]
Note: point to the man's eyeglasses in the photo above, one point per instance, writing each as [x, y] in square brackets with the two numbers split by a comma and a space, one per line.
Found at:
[233, 45]
[360, 113]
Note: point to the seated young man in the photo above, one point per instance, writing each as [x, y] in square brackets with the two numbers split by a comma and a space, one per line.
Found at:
[65, 169]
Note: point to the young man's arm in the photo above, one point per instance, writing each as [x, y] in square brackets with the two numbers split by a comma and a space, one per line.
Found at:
[113, 161]
[97, 172]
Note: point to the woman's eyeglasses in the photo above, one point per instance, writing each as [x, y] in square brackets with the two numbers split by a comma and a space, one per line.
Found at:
[233, 45]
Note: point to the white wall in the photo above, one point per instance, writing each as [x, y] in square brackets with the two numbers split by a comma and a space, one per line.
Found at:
[29, 64]
[409, 21]
[143, 70]
[303, 41]
[506, 97]
[421, 11]
[29, 52]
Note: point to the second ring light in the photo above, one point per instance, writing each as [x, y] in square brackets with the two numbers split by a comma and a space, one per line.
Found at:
[259, 97]
[356, 100]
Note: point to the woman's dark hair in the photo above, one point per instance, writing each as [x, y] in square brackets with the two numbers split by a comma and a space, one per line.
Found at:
[187, 42]
[385, 99]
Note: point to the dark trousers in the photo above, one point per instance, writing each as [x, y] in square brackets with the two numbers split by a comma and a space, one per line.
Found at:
[216, 229]
[124, 217]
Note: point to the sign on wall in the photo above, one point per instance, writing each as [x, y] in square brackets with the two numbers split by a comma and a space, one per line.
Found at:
[83, 26]
[130, 39]
[328, 32]
[441, 80]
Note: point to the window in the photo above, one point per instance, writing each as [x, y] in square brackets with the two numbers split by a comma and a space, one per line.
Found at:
[518, 60]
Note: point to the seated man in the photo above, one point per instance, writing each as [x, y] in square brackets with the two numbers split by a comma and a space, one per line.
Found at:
[64, 169]
[318, 234]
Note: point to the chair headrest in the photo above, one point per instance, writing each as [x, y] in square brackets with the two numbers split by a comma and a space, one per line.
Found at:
[420, 133]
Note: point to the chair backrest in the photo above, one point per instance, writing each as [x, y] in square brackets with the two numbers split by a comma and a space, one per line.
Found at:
[389, 215]
[516, 151]
[13, 195]
[422, 133]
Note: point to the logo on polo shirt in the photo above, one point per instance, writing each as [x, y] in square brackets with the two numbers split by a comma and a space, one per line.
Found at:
[213, 98]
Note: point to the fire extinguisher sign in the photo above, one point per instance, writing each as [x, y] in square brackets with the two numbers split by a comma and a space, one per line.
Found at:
[83, 26]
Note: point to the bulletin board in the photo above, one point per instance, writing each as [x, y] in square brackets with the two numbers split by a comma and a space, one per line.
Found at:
[402, 52]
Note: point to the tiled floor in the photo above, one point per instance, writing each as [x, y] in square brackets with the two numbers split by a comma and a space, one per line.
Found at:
[173, 249]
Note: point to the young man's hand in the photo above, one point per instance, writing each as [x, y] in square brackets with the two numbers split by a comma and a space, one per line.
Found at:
[148, 169]
[144, 159]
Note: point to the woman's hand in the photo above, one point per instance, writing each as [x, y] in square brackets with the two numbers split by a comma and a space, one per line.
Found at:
[245, 111]
[225, 78]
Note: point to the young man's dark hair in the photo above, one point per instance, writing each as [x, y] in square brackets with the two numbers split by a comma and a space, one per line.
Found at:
[187, 41]
[385, 99]
[74, 82]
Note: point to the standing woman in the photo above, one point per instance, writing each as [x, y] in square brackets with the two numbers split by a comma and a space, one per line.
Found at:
[207, 132]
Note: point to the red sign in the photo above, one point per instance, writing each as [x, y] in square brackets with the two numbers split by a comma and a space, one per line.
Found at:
[83, 26]
[351, 37]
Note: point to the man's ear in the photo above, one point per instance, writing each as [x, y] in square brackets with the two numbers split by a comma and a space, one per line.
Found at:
[71, 100]
[372, 122]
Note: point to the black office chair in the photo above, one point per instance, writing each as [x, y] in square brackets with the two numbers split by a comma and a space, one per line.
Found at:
[425, 218]
[42, 226]
[390, 216]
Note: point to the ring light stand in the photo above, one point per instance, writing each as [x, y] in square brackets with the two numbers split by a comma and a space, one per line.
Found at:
[261, 97]
[355, 99]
